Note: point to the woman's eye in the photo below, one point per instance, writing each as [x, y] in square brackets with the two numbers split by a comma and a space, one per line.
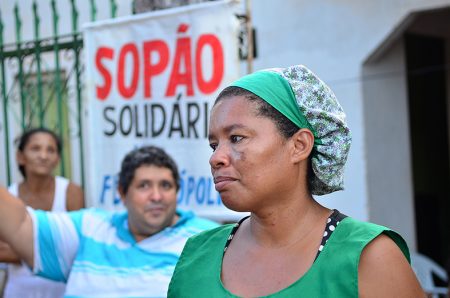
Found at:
[235, 139]
[213, 146]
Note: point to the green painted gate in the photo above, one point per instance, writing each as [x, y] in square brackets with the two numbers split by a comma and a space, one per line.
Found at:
[36, 90]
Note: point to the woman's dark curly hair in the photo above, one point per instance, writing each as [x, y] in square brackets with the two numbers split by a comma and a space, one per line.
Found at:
[149, 156]
[23, 140]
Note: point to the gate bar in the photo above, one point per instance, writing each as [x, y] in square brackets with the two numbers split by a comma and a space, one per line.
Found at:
[5, 105]
[38, 63]
[57, 78]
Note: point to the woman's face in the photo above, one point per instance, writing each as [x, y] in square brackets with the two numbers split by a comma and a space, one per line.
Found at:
[250, 162]
[40, 154]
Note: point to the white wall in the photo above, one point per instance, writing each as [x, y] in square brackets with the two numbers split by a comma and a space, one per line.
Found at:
[387, 139]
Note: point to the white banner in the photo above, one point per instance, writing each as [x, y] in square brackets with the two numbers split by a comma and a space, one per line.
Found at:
[152, 79]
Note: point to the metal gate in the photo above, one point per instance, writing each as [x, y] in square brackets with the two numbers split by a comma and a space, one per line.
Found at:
[41, 83]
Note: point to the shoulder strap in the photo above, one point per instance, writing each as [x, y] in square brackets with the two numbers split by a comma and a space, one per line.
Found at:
[59, 201]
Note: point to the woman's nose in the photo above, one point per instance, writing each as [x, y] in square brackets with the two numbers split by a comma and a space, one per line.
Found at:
[219, 157]
[43, 154]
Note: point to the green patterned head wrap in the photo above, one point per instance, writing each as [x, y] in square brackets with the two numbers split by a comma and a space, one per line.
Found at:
[303, 98]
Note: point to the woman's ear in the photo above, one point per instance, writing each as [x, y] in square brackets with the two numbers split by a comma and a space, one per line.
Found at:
[303, 143]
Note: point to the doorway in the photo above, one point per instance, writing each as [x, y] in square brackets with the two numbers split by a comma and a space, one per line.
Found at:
[427, 74]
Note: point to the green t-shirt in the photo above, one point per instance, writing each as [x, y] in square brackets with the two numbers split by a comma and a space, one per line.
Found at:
[333, 274]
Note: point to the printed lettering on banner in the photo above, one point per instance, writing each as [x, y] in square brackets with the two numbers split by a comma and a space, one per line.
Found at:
[152, 80]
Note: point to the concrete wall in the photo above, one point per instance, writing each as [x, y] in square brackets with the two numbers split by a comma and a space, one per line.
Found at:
[387, 139]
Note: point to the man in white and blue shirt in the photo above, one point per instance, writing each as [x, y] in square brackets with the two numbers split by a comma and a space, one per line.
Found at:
[100, 253]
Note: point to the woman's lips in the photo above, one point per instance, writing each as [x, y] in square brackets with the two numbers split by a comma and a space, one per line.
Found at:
[221, 182]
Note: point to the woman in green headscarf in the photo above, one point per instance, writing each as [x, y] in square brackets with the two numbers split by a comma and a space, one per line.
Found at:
[279, 137]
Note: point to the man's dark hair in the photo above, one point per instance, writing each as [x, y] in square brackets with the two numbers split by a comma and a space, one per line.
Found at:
[149, 156]
[23, 140]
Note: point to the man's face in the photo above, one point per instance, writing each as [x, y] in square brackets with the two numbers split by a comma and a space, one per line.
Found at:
[151, 201]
